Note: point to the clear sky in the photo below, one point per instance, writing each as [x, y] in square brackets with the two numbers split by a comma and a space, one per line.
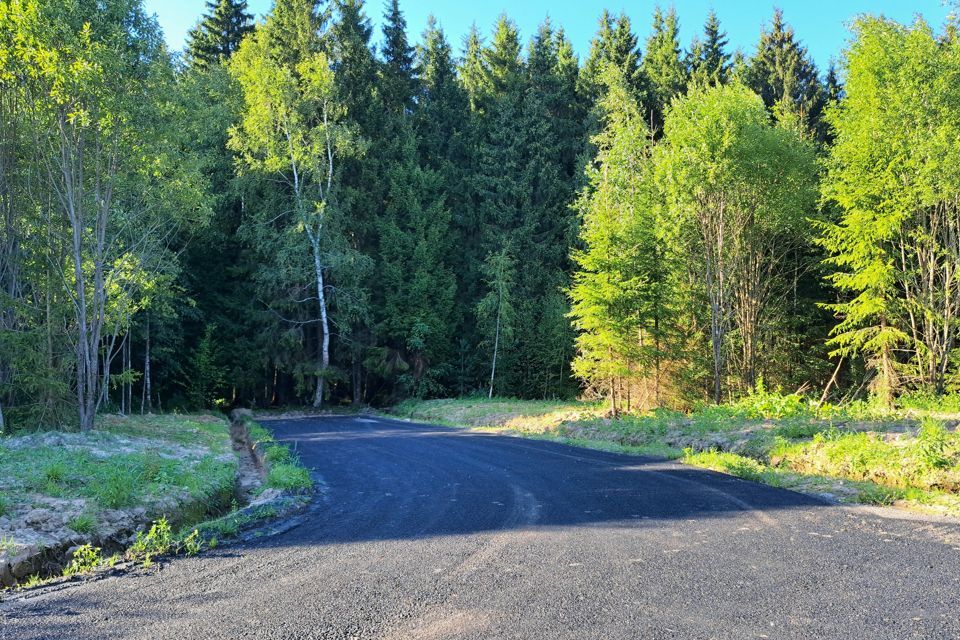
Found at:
[820, 24]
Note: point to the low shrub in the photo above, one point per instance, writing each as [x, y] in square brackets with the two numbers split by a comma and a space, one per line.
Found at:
[85, 559]
[157, 541]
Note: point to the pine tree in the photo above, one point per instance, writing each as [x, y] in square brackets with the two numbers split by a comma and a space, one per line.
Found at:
[709, 63]
[219, 33]
[663, 67]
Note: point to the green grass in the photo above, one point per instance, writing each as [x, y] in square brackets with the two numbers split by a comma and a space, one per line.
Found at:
[84, 523]
[7, 544]
[287, 476]
[152, 462]
[284, 470]
[230, 525]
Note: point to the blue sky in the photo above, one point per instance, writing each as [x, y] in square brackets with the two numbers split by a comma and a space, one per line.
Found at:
[820, 24]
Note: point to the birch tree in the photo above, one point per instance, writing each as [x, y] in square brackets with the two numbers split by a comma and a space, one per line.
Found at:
[495, 310]
[290, 129]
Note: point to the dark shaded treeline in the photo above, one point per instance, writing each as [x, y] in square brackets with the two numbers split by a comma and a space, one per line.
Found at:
[453, 219]
[471, 162]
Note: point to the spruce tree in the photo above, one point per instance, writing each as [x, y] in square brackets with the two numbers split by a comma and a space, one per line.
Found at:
[619, 284]
[445, 141]
[473, 71]
[709, 63]
[783, 74]
[363, 186]
[219, 33]
[614, 43]
[398, 85]
[415, 289]
[663, 67]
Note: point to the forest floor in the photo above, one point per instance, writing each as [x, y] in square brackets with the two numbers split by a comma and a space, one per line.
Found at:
[908, 458]
[132, 481]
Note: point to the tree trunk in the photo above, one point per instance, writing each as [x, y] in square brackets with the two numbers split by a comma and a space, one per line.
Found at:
[324, 323]
[496, 347]
[356, 380]
[147, 398]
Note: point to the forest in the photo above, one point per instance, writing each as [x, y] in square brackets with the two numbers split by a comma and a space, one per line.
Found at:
[301, 211]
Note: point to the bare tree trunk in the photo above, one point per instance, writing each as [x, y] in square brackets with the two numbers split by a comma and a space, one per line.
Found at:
[356, 380]
[129, 369]
[826, 389]
[496, 348]
[147, 398]
[324, 323]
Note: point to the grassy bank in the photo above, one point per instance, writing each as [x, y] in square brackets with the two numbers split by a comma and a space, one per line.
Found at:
[858, 453]
[61, 490]
[134, 489]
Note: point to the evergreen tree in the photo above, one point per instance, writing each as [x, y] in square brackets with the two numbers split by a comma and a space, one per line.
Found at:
[398, 84]
[892, 173]
[614, 43]
[619, 283]
[663, 67]
[783, 74]
[363, 187]
[219, 33]
[416, 288]
[709, 63]
[473, 71]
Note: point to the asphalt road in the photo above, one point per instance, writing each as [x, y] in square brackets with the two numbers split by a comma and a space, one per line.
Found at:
[425, 532]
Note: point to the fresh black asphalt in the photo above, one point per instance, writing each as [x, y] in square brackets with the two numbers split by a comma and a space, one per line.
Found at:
[427, 532]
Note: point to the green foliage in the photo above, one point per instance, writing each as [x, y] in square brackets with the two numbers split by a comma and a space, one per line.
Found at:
[784, 75]
[156, 541]
[86, 559]
[761, 403]
[663, 66]
[206, 379]
[192, 543]
[891, 173]
[619, 292]
[300, 214]
[220, 32]
[933, 444]
[708, 61]
[738, 192]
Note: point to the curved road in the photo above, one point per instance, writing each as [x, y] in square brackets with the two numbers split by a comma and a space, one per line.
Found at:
[426, 532]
